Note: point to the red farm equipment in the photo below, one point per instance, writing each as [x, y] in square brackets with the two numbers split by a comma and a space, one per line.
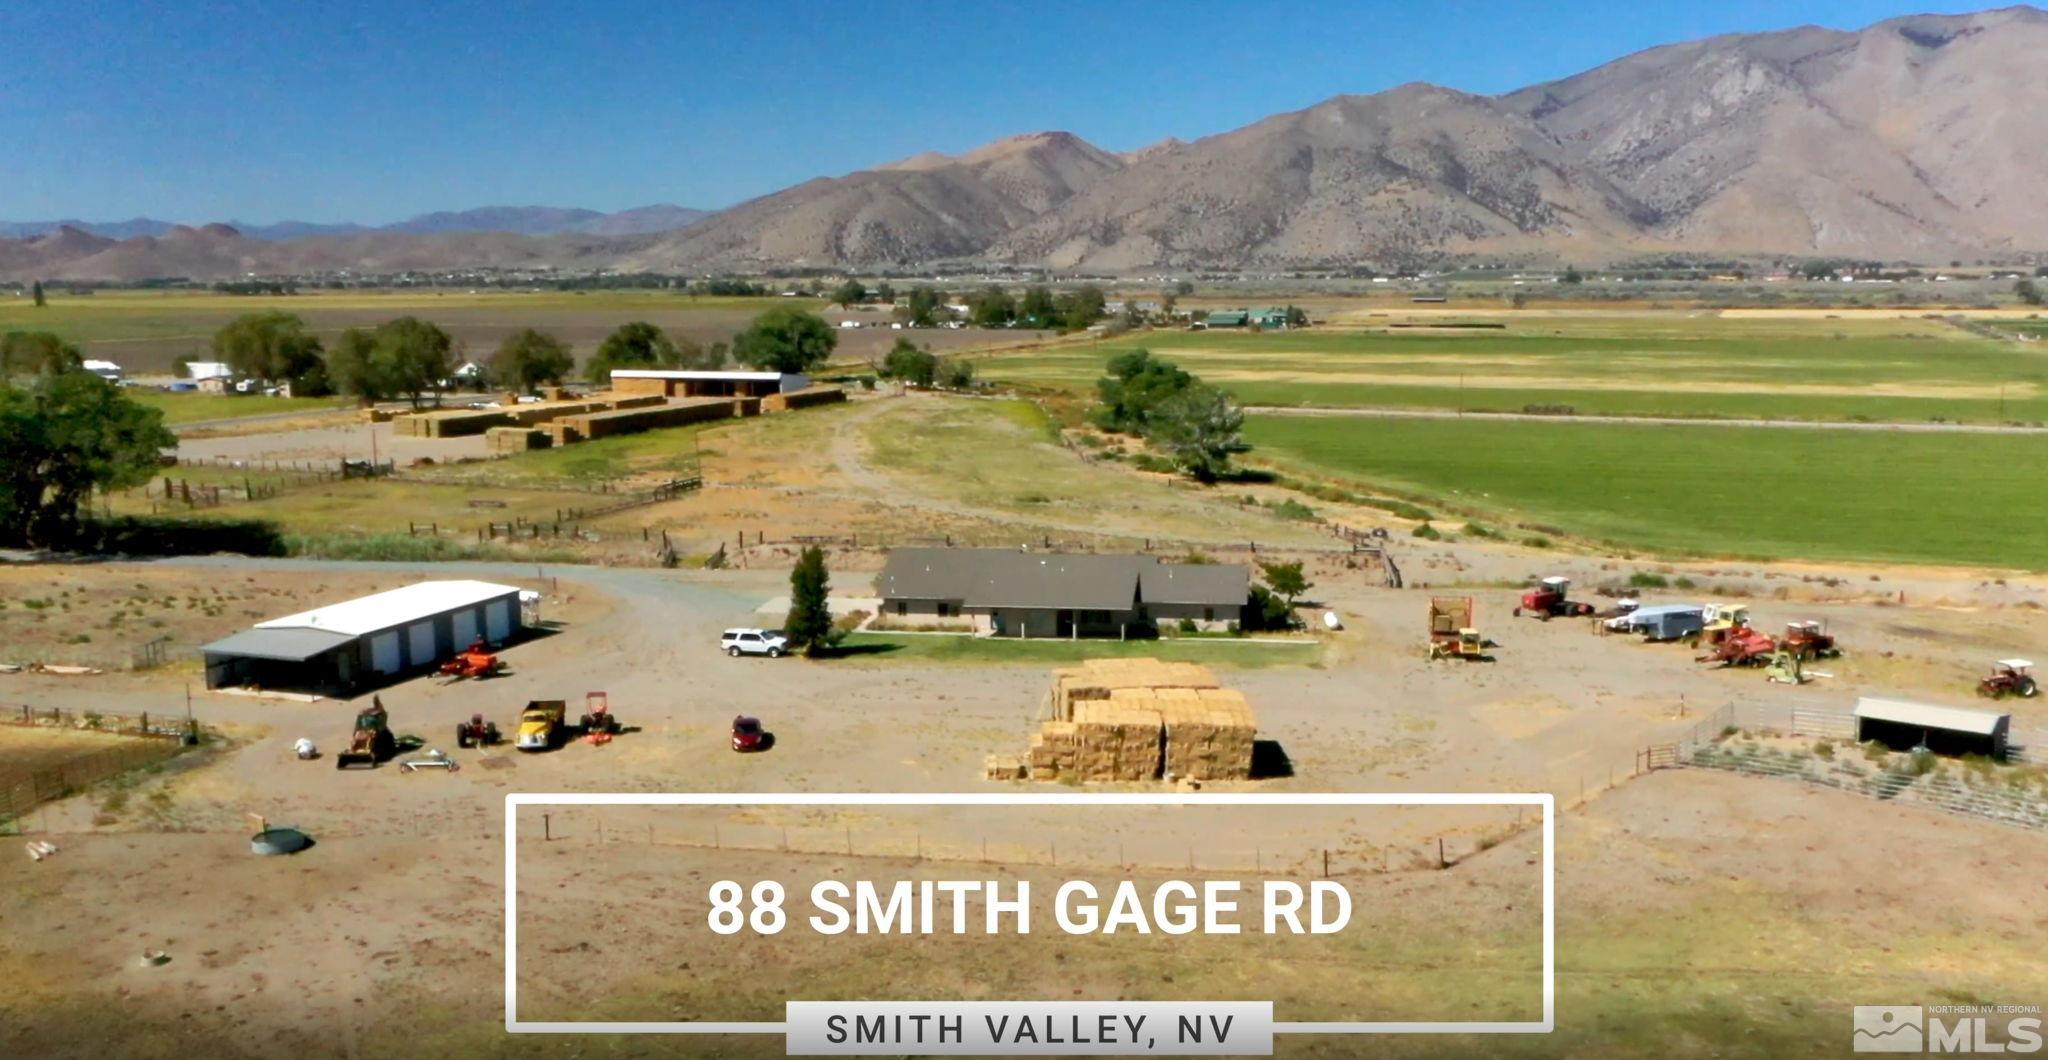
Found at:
[1551, 598]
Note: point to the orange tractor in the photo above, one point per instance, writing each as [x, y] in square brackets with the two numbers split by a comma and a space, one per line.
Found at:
[476, 661]
[371, 742]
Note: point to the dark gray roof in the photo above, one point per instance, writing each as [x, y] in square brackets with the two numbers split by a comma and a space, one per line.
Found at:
[1206, 584]
[995, 577]
[290, 645]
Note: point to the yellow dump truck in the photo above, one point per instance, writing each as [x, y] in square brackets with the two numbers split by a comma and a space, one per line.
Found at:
[540, 725]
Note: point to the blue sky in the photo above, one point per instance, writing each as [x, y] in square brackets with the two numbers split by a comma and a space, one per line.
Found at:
[376, 111]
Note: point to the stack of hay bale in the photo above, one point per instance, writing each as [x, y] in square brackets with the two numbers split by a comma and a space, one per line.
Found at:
[1140, 719]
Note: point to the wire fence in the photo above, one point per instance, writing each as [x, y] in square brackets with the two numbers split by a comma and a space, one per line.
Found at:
[129, 741]
[1394, 850]
[1756, 740]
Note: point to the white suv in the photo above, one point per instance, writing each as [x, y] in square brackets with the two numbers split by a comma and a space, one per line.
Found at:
[738, 642]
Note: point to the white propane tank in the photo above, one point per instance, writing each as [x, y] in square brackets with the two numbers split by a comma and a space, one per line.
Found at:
[1331, 621]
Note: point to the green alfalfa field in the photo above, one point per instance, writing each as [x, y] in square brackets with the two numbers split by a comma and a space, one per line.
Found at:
[1752, 492]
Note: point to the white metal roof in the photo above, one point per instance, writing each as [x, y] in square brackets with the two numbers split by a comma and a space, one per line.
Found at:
[2015, 664]
[683, 373]
[100, 366]
[1930, 716]
[368, 614]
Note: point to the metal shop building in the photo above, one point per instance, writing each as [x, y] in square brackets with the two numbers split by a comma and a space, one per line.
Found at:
[366, 642]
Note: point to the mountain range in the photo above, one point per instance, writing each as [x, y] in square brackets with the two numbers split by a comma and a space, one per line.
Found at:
[523, 220]
[1919, 138]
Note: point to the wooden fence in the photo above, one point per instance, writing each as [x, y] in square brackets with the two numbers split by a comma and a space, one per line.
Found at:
[132, 741]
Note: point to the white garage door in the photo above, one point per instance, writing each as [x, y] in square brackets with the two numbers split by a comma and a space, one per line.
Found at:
[498, 619]
[384, 653]
[465, 629]
[422, 636]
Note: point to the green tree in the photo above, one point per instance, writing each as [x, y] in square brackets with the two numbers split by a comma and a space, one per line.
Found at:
[37, 352]
[2027, 291]
[1297, 317]
[992, 308]
[1038, 307]
[1571, 275]
[65, 436]
[634, 345]
[413, 357]
[851, 292]
[1136, 386]
[529, 358]
[785, 339]
[925, 306]
[1077, 309]
[906, 363]
[885, 293]
[36, 292]
[1201, 429]
[810, 619]
[1184, 288]
[1287, 579]
[352, 367]
[274, 347]
[956, 373]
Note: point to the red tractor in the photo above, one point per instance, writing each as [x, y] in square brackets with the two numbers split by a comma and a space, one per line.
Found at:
[2009, 677]
[1550, 598]
[1809, 640]
[476, 732]
[597, 723]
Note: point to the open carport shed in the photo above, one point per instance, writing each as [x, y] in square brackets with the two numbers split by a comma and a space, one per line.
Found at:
[1904, 725]
[366, 642]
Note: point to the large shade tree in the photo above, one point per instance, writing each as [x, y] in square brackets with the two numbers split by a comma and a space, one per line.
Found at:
[64, 436]
[785, 339]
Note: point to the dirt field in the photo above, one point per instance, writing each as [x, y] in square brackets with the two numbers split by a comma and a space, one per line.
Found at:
[1674, 890]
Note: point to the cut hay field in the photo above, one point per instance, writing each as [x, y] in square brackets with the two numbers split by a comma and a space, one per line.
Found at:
[1751, 492]
[1677, 363]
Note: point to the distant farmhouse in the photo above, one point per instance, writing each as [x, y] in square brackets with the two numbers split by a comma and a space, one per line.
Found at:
[1009, 593]
[1263, 319]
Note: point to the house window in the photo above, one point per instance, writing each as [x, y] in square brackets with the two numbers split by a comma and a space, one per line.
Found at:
[945, 609]
[1208, 614]
[902, 607]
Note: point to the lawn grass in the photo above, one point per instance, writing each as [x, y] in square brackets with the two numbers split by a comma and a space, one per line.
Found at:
[1668, 364]
[1762, 492]
[1215, 651]
[188, 407]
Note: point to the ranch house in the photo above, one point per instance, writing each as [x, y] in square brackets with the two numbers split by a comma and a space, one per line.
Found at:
[1009, 593]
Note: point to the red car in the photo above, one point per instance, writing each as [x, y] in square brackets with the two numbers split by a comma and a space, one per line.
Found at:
[748, 735]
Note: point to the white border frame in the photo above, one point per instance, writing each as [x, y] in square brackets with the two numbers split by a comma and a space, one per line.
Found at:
[1544, 800]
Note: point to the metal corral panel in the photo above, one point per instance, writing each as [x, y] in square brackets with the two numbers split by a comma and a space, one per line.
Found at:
[1930, 716]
